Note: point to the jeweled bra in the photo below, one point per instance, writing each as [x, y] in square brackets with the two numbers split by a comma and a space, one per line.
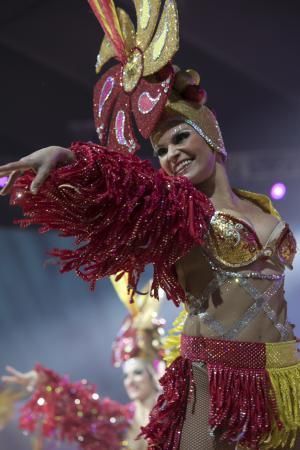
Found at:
[232, 243]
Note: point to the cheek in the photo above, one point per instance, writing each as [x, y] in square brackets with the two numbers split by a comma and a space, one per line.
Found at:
[141, 379]
[203, 168]
[163, 162]
[206, 160]
[147, 383]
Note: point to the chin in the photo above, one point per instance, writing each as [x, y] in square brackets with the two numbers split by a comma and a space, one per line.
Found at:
[199, 176]
[133, 396]
[195, 179]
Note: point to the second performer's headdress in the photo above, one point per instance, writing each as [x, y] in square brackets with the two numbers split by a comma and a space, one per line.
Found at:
[141, 333]
[144, 85]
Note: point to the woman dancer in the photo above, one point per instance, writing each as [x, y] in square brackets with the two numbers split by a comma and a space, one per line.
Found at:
[63, 410]
[221, 251]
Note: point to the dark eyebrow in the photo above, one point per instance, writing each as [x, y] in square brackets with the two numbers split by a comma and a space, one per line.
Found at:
[181, 130]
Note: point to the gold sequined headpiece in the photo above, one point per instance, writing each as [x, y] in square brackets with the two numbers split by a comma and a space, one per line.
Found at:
[142, 330]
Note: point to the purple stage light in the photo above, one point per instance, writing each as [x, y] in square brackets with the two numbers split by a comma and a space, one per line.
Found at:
[278, 191]
[3, 182]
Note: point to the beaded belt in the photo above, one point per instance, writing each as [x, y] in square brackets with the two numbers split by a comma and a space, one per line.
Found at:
[254, 355]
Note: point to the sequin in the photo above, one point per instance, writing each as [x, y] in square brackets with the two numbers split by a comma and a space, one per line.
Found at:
[231, 241]
[132, 71]
[101, 132]
[146, 13]
[105, 93]
[105, 54]
[160, 42]
[146, 103]
[120, 132]
[166, 84]
[287, 247]
[165, 41]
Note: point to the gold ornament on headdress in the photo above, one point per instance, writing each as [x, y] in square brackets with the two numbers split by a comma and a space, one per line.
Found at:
[143, 51]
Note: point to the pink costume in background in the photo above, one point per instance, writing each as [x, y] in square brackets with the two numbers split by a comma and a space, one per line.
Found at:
[62, 410]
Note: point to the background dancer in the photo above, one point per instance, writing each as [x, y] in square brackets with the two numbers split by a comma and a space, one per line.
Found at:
[66, 411]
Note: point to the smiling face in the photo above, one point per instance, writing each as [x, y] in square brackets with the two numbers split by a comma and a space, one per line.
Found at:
[183, 152]
[138, 380]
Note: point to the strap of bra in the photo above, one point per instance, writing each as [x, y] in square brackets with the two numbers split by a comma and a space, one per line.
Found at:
[198, 305]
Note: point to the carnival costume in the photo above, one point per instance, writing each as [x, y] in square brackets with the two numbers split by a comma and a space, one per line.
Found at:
[124, 215]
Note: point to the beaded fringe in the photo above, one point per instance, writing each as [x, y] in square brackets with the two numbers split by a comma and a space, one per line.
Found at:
[254, 392]
[163, 431]
[242, 405]
[286, 385]
[122, 213]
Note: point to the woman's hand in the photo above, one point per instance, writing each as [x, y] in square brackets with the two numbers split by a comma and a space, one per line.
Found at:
[27, 379]
[42, 162]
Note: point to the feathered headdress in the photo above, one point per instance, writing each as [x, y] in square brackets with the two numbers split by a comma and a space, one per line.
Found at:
[144, 87]
[142, 330]
[139, 85]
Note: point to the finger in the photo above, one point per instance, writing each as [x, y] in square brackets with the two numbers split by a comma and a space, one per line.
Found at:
[41, 176]
[8, 379]
[12, 178]
[6, 169]
[13, 371]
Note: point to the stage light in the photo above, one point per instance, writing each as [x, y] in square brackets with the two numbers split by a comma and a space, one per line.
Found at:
[278, 191]
[3, 181]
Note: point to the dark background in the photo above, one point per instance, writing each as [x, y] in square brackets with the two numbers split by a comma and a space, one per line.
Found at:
[247, 53]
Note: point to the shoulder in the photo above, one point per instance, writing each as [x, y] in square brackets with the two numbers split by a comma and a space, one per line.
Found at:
[261, 200]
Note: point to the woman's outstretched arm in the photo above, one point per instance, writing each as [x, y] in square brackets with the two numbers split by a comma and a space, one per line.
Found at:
[63, 410]
[122, 213]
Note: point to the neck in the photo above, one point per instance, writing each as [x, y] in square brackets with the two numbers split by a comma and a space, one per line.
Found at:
[143, 408]
[217, 188]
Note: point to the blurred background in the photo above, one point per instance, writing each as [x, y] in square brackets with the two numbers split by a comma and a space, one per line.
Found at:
[247, 55]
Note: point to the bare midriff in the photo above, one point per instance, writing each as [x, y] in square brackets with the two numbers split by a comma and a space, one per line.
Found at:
[229, 303]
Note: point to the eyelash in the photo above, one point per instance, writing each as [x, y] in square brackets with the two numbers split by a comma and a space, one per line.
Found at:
[160, 152]
[181, 136]
[136, 372]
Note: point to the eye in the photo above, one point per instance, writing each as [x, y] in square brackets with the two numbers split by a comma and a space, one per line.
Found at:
[138, 372]
[181, 136]
[161, 152]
